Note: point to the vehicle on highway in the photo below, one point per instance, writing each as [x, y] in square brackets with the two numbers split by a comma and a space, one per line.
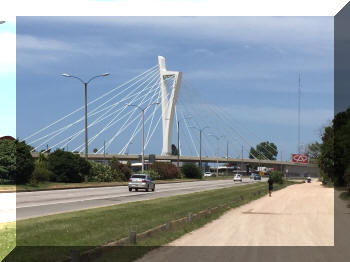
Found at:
[257, 177]
[208, 173]
[308, 179]
[141, 181]
[237, 178]
[252, 175]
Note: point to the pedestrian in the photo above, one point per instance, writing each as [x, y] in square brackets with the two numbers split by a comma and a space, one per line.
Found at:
[270, 182]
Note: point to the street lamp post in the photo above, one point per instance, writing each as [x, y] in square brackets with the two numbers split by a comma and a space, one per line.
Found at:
[200, 144]
[143, 130]
[86, 121]
[217, 152]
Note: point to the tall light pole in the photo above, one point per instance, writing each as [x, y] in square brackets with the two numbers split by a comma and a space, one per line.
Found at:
[217, 152]
[143, 130]
[200, 144]
[86, 121]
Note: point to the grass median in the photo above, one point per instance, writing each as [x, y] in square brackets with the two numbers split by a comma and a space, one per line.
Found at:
[99, 226]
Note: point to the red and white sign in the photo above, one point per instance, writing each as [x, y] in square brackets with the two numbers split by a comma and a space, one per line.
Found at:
[300, 158]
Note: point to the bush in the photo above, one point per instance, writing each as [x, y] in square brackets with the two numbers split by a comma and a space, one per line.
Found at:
[120, 170]
[165, 170]
[191, 170]
[154, 175]
[101, 173]
[277, 177]
[67, 166]
[24, 163]
[41, 174]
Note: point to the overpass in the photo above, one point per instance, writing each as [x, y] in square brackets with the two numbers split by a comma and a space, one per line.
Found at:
[195, 159]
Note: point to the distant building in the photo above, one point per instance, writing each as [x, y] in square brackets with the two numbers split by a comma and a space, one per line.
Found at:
[7, 138]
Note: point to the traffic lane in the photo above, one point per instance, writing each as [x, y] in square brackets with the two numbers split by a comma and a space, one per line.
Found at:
[120, 195]
[26, 199]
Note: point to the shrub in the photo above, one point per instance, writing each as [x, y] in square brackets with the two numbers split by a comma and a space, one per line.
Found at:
[277, 177]
[66, 166]
[42, 174]
[120, 170]
[191, 170]
[165, 170]
[101, 173]
[154, 175]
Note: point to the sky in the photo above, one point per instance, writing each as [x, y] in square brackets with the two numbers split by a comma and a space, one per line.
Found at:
[247, 67]
[8, 78]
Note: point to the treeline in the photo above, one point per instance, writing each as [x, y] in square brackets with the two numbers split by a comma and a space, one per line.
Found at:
[18, 166]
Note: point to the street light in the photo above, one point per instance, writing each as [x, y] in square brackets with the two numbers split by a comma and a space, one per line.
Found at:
[143, 130]
[178, 138]
[217, 152]
[85, 85]
[200, 143]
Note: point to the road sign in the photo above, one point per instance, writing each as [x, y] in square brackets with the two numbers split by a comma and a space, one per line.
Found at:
[300, 158]
[261, 173]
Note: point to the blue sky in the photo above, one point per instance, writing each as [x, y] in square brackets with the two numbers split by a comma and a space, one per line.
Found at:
[8, 79]
[246, 66]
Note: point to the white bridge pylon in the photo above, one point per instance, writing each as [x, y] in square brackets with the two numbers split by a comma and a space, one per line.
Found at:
[168, 104]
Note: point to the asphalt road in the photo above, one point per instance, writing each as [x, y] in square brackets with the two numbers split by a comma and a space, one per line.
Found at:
[42, 203]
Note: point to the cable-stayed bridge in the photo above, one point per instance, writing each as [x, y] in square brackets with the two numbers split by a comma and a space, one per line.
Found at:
[208, 132]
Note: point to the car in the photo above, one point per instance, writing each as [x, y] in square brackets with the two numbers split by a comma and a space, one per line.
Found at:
[257, 177]
[237, 177]
[141, 181]
[308, 179]
[207, 174]
[252, 175]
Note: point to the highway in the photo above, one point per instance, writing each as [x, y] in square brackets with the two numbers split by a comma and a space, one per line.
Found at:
[42, 203]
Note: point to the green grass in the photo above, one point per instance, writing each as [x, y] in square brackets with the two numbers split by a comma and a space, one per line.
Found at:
[95, 227]
[7, 238]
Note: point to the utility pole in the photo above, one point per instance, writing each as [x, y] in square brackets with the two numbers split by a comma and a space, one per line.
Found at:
[299, 107]
[143, 131]
[178, 144]
[242, 159]
[227, 158]
[104, 152]
[200, 144]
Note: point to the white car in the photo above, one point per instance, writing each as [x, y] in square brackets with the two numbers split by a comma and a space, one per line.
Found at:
[207, 174]
[237, 177]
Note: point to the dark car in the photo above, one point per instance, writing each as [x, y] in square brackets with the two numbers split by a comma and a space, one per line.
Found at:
[257, 177]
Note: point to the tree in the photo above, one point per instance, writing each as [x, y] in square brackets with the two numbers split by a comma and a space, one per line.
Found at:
[7, 159]
[174, 150]
[191, 170]
[335, 148]
[24, 163]
[313, 150]
[66, 166]
[264, 150]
